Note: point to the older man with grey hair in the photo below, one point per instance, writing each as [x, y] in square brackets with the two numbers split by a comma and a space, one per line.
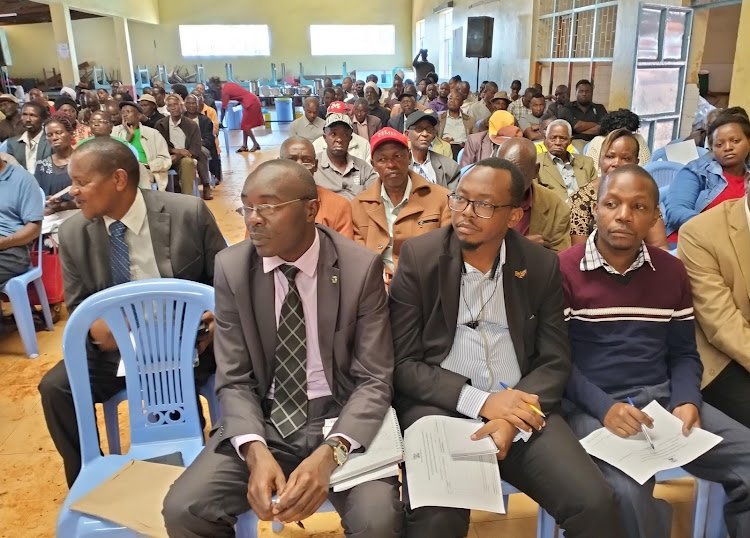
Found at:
[309, 126]
[559, 170]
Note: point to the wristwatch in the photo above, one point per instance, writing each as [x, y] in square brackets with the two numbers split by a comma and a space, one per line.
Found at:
[340, 452]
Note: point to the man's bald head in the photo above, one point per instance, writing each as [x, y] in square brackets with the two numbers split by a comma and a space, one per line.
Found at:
[282, 179]
[522, 153]
[299, 150]
[105, 155]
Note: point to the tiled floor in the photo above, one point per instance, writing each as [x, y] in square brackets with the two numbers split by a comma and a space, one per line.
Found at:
[32, 484]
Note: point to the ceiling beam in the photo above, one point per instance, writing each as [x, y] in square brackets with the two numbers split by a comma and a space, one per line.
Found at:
[137, 10]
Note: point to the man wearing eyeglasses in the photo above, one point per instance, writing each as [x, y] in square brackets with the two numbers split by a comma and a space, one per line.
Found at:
[475, 305]
[302, 335]
[435, 168]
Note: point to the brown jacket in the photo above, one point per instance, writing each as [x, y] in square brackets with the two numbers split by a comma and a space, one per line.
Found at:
[550, 218]
[469, 123]
[715, 248]
[426, 210]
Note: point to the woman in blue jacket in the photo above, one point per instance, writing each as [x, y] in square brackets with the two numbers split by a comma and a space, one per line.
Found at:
[714, 178]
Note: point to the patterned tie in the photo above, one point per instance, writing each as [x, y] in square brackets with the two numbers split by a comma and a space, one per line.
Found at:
[289, 409]
[120, 258]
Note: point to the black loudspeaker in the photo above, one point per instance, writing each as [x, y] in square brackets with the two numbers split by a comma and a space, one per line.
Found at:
[479, 37]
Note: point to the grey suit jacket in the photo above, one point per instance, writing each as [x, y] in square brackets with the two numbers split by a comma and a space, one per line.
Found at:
[17, 148]
[184, 234]
[447, 171]
[424, 303]
[353, 331]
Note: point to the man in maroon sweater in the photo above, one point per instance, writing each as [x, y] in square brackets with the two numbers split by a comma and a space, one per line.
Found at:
[632, 335]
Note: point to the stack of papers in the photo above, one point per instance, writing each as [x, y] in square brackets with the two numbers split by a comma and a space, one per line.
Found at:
[635, 457]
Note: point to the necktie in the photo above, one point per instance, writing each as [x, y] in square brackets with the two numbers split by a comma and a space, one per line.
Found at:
[120, 256]
[289, 409]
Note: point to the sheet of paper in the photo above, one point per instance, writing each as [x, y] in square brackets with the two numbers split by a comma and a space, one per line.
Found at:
[682, 152]
[437, 479]
[460, 444]
[385, 472]
[52, 222]
[636, 458]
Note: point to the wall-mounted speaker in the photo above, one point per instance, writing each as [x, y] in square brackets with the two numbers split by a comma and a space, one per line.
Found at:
[479, 37]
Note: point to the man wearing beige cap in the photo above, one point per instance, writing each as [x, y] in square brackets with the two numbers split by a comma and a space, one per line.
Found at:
[12, 124]
[150, 113]
[338, 170]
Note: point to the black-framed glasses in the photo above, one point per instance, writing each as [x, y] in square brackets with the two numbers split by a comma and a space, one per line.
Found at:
[266, 210]
[483, 210]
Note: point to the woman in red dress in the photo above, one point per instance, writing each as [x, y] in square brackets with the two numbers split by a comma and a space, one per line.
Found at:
[252, 114]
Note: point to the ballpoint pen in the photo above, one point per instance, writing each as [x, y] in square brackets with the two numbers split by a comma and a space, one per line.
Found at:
[643, 428]
[536, 409]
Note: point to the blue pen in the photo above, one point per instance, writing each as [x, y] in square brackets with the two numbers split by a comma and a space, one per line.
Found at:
[536, 410]
[643, 428]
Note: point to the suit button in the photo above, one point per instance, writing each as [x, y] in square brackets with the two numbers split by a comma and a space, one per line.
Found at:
[380, 247]
[712, 372]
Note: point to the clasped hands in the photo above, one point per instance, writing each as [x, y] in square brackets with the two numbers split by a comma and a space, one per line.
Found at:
[507, 411]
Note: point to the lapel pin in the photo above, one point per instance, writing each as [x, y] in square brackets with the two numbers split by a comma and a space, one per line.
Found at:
[521, 274]
[334, 280]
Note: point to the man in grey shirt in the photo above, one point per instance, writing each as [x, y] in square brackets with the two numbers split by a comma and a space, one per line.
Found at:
[529, 123]
[338, 170]
[309, 126]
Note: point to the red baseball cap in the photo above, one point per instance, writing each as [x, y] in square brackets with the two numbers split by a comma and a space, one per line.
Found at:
[386, 134]
[337, 107]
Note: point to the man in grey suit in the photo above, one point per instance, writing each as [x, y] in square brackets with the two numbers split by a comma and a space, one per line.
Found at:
[32, 145]
[474, 305]
[436, 168]
[165, 235]
[302, 335]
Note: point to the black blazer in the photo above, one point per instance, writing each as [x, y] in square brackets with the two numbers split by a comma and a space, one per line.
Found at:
[424, 295]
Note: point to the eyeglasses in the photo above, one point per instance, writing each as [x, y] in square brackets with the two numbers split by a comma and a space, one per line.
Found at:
[483, 210]
[266, 210]
[421, 129]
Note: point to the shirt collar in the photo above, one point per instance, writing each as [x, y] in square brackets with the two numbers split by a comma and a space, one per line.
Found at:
[307, 263]
[325, 162]
[426, 160]
[558, 160]
[592, 258]
[387, 199]
[172, 122]
[133, 219]
[498, 271]
[35, 140]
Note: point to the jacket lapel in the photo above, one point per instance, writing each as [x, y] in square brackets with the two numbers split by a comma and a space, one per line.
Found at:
[550, 171]
[159, 226]
[259, 298]
[739, 234]
[539, 211]
[328, 302]
[486, 147]
[516, 293]
[100, 250]
[437, 166]
[449, 274]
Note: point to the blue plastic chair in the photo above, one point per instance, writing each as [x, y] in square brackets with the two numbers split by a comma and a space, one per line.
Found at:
[663, 172]
[460, 154]
[154, 323]
[247, 523]
[586, 148]
[4, 147]
[16, 290]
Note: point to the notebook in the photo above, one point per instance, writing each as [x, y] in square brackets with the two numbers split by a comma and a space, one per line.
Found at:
[386, 449]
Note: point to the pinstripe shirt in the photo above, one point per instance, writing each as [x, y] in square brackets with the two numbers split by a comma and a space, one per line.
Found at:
[486, 354]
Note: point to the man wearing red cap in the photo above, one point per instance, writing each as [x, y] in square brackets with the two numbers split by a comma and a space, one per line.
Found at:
[338, 170]
[399, 205]
[358, 146]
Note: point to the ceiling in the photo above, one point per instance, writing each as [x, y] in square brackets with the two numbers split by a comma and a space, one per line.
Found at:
[27, 12]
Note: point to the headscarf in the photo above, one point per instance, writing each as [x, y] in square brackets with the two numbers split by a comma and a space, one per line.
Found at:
[502, 123]
[70, 92]
[65, 100]
[371, 84]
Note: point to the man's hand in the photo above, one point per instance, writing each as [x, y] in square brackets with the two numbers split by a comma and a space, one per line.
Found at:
[502, 433]
[131, 131]
[625, 420]
[175, 158]
[208, 337]
[103, 337]
[513, 407]
[307, 487]
[185, 153]
[539, 239]
[448, 139]
[689, 416]
[266, 477]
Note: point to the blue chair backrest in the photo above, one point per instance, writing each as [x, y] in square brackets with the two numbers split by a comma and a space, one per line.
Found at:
[4, 146]
[701, 151]
[663, 172]
[659, 155]
[154, 323]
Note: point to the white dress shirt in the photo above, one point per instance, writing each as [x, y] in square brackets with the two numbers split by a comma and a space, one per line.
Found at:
[176, 134]
[391, 214]
[424, 169]
[138, 238]
[31, 149]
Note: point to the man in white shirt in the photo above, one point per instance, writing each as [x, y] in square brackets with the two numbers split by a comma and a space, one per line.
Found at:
[454, 126]
[32, 145]
[310, 125]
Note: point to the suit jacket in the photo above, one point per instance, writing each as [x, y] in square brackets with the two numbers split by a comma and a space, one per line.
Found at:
[426, 210]
[469, 123]
[715, 248]
[353, 328]
[17, 148]
[550, 177]
[157, 154]
[397, 122]
[447, 171]
[550, 218]
[184, 235]
[424, 301]
[478, 147]
[193, 143]
[373, 126]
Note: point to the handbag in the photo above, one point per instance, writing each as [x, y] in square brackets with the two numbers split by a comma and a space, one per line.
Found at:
[51, 273]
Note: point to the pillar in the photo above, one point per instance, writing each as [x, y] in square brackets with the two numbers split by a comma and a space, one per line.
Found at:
[624, 55]
[738, 95]
[66, 49]
[122, 47]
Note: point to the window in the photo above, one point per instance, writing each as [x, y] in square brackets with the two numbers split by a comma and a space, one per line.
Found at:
[446, 43]
[420, 37]
[352, 39]
[225, 40]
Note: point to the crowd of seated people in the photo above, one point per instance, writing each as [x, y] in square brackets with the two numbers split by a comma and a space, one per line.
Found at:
[414, 203]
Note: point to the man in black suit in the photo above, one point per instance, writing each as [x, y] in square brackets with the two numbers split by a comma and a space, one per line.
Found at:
[167, 236]
[477, 304]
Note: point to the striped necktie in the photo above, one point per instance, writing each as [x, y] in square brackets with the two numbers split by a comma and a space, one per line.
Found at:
[120, 256]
